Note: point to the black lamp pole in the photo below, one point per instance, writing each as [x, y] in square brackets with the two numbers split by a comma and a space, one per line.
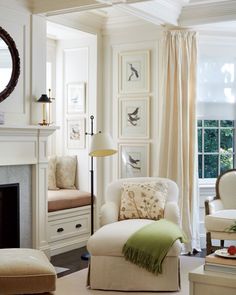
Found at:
[86, 255]
[91, 178]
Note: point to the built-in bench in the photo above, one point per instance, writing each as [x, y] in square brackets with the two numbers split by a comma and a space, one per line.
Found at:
[68, 207]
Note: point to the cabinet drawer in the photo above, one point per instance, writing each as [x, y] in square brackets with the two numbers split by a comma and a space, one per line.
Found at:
[68, 227]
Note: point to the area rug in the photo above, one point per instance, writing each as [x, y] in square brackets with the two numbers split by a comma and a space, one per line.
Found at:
[75, 283]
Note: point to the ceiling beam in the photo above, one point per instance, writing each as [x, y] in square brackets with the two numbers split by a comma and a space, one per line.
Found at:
[156, 12]
[54, 7]
[208, 13]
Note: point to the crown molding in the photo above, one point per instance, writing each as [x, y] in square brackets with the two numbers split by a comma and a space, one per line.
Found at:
[198, 14]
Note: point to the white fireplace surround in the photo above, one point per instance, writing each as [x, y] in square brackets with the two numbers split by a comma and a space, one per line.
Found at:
[27, 145]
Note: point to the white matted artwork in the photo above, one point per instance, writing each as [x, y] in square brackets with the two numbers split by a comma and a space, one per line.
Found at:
[76, 98]
[133, 160]
[134, 72]
[134, 118]
[76, 133]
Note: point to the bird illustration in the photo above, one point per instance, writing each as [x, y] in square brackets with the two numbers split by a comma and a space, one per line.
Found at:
[133, 117]
[133, 161]
[133, 72]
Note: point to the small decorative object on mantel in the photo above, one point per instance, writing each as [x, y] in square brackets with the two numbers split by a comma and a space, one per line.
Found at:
[2, 118]
[44, 99]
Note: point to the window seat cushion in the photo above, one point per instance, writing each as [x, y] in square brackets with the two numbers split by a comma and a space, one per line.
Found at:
[67, 198]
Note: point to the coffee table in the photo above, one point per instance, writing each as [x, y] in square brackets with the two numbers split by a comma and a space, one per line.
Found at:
[203, 282]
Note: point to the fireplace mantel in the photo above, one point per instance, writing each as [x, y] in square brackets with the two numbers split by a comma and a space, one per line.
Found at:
[27, 145]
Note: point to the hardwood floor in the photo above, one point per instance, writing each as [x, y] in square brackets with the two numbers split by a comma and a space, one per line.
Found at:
[73, 262]
[70, 260]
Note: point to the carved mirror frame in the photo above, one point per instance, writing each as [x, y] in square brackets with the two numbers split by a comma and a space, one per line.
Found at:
[15, 64]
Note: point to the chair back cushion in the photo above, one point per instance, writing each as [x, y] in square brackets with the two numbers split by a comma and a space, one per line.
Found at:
[114, 189]
[226, 189]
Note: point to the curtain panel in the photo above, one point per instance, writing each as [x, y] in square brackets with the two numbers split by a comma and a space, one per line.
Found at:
[178, 141]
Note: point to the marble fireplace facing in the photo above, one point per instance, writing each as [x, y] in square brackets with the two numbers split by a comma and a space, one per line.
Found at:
[24, 160]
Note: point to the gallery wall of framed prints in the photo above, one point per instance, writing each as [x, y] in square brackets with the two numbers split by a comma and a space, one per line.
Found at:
[134, 113]
[75, 115]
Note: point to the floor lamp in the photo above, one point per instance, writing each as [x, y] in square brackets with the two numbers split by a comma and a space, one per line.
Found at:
[101, 146]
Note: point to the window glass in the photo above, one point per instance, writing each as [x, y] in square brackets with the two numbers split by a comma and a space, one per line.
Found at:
[226, 123]
[199, 140]
[211, 140]
[226, 139]
[226, 162]
[211, 123]
[211, 166]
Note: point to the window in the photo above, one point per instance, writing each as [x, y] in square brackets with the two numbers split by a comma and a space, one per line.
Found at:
[216, 148]
[216, 108]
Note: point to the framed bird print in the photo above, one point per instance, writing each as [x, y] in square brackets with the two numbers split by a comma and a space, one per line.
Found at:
[134, 72]
[133, 160]
[76, 98]
[76, 133]
[134, 118]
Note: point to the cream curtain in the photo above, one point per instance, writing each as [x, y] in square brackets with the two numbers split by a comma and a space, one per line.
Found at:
[177, 154]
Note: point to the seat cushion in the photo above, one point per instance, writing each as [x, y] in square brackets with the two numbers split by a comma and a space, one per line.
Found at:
[110, 239]
[67, 198]
[25, 271]
[220, 221]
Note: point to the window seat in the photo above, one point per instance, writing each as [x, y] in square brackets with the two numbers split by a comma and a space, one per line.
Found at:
[68, 207]
[67, 198]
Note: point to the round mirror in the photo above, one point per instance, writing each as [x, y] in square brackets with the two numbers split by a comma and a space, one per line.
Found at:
[9, 64]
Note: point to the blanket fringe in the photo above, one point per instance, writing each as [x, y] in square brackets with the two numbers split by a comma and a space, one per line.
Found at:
[143, 260]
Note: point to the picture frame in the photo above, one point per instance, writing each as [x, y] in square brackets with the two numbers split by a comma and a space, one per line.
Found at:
[134, 72]
[134, 118]
[76, 98]
[76, 133]
[133, 160]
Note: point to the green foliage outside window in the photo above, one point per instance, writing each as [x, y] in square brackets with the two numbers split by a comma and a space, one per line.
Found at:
[215, 147]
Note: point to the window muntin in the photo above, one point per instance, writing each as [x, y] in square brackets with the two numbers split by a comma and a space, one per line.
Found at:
[216, 147]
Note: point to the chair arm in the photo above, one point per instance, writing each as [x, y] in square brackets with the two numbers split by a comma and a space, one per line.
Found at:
[171, 212]
[109, 213]
[213, 204]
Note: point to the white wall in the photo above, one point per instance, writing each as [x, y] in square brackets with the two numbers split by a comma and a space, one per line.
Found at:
[16, 22]
[76, 62]
[142, 37]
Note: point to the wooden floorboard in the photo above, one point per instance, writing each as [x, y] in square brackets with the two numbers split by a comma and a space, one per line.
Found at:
[71, 260]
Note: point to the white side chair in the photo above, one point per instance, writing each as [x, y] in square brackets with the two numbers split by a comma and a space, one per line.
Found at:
[108, 268]
[221, 211]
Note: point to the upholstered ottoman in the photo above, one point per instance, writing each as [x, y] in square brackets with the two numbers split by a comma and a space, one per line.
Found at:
[25, 271]
[110, 271]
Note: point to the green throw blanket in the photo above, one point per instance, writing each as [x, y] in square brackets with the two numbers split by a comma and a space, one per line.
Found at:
[149, 245]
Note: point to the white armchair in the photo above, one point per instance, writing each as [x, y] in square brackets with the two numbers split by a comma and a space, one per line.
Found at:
[221, 211]
[108, 268]
[110, 210]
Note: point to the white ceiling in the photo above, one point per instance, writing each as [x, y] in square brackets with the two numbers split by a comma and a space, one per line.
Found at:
[205, 14]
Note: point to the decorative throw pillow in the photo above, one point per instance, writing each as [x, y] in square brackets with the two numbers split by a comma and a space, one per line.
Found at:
[143, 200]
[66, 171]
[52, 162]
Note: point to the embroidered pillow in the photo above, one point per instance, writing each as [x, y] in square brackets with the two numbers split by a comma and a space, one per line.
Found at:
[52, 162]
[143, 200]
[66, 171]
